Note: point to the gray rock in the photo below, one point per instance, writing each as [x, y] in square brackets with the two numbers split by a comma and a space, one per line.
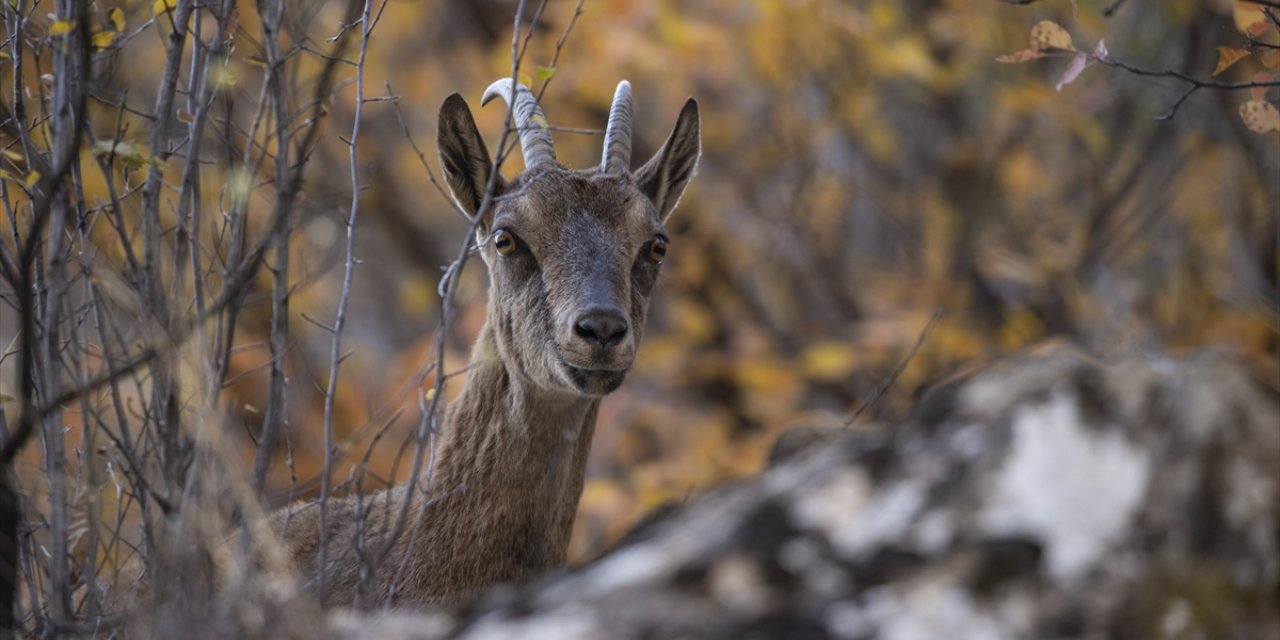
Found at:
[1050, 495]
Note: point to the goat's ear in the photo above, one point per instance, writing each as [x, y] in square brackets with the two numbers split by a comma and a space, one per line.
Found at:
[664, 177]
[463, 155]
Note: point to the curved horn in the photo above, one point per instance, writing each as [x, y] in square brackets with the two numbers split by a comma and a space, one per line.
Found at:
[617, 137]
[535, 138]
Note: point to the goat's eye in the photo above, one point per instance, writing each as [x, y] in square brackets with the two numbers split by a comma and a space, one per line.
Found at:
[658, 249]
[504, 241]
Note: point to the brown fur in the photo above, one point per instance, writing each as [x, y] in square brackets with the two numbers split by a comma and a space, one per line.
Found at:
[502, 496]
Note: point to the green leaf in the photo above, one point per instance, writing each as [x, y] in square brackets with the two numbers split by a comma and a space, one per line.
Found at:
[544, 73]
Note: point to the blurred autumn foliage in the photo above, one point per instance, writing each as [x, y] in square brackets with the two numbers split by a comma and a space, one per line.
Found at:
[865, 164]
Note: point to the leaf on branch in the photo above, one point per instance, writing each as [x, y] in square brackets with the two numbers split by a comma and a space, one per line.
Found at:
[1020, 56]
[239, 185]
[116, 16]
[1228, 56]
[1048, 36]
[8, 175]
[60, 27]
[127, 152]
[1257, 28]
[103, 39]
[1260, 117]
[1260, 93]
[1246, 15]
[544, 73]
[163, 6]
[221, 76]
[1100, 51]
[32, 178]
[1078, 63]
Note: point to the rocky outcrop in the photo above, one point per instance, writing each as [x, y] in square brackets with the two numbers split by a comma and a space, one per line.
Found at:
[1051, 495]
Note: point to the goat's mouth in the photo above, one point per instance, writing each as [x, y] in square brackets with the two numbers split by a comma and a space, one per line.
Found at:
[593, 381]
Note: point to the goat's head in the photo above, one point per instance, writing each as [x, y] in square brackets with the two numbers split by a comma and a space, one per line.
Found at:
[572, 254]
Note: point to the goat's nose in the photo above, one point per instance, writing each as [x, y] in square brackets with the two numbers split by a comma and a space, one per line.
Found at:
[602, 326]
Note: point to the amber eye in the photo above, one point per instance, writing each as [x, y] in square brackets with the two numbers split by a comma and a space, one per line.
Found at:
[658, 250]
[504, 241]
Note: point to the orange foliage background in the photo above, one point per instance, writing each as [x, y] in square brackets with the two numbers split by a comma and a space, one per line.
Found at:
[865, 164]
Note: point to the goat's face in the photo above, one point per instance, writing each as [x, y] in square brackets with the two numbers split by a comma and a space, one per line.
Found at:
[572, 259]
[572, 255]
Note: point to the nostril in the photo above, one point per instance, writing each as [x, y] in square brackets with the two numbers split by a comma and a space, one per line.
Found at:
[605, 327]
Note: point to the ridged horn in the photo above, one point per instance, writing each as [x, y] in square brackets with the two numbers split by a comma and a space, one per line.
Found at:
[535, 137]
[617, 136]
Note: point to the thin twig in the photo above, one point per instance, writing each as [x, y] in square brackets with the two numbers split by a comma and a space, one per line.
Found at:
[349, 264]
[427, 425]
[422, 158]
[884, 385]
[1196, 84]
[1112, 8]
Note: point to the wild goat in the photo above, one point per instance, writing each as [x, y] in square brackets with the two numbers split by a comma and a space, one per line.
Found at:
[572, 257]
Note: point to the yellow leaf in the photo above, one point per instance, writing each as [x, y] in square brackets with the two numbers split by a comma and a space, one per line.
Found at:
[1247, 14]
[60, 27]
[239, 185]
[1260, 117]
[116, 16]
[765, 375]
[163, 6]
[1228, 56]
[828, 361]
[1020, 327]
[221, 76]
[103, 39]
[1047, 36]
[126, 152]
[32, 178]
[1020, 56]
[692, 321]
[14, 155]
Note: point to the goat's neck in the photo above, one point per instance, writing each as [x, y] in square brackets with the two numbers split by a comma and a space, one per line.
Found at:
[510, 465]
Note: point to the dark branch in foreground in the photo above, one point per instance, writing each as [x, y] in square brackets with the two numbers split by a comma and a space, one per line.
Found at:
[1195, 84]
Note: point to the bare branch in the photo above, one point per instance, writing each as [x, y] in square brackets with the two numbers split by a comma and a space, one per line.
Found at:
[884, 385]
[349, 263]
[1196, 84]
